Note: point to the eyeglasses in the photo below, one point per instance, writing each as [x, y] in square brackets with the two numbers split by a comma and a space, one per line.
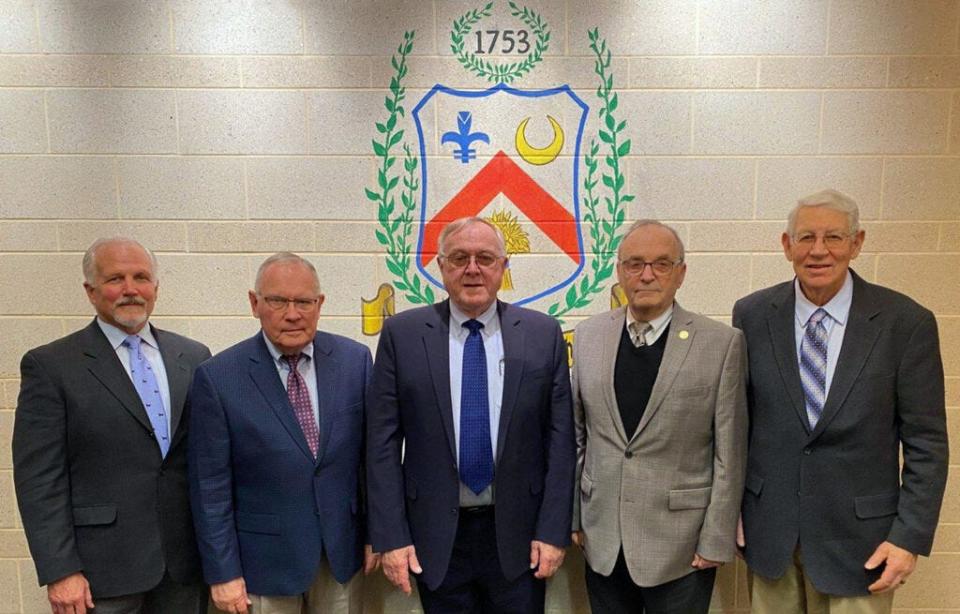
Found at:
[831, 239]
[461, 259]
[303, 305]
[660, 267]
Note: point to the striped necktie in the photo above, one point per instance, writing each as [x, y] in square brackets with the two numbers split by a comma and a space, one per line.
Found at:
[813, 366]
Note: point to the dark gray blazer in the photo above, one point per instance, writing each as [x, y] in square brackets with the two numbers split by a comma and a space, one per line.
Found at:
[94, 493]
[837, 490]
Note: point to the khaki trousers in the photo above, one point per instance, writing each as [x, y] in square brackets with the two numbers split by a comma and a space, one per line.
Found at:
[794, 594]
[325, 596]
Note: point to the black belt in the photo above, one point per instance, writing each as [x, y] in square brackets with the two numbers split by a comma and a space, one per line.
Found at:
[476, 509]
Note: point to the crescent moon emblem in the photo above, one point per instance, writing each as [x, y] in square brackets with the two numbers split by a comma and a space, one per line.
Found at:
[537, 155]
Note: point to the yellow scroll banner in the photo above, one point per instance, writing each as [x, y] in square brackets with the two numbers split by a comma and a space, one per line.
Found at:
[377, 309]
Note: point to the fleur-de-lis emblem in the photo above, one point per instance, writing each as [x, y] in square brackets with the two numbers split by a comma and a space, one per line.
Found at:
[463, 137]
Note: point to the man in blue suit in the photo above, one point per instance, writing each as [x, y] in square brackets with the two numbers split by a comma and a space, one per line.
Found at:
[276, 457]
[471, 454]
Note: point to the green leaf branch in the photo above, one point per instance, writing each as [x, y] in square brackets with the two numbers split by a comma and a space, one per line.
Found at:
[499, 72]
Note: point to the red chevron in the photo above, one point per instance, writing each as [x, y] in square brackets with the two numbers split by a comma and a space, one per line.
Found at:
[502, 175]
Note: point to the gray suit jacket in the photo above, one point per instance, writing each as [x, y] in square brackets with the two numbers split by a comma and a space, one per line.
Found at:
[674, 488]
[94, 492]
[836, 490]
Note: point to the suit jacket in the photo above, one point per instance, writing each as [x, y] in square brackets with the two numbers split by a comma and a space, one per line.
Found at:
[674, 488]
[95, 494]
[836, 490]
[264, 508]
[415, 500]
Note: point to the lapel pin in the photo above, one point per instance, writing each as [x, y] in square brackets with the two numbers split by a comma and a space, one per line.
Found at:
[683, 334]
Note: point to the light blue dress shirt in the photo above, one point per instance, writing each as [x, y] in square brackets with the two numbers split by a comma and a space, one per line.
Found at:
[151, 351]
[838, 312]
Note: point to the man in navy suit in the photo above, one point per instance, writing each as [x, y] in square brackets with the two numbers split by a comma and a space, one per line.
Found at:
[471, 453]
[276, 457]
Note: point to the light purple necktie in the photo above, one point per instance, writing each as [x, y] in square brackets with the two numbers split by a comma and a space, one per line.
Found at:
[813, 366]
[145, 381]
[299, 397]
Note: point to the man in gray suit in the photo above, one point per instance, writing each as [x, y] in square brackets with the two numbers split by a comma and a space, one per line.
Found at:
[99, 450]
[844, 375]
[661, 423]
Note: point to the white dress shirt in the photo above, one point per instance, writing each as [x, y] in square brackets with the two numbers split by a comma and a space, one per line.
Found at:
[838, 312]
[658, 325]
[304, 367]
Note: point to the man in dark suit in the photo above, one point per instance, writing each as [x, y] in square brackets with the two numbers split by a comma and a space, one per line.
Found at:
[470, 455]
[844, 375]
[276, 456]
[99, 450]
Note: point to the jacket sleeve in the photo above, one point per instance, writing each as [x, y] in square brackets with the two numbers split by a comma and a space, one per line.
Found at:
[210, 476]
[41, 475]
[923, 436]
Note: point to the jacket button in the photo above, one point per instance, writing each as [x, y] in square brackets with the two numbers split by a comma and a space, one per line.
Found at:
[807, 451]
[453, 511]
[628, 454]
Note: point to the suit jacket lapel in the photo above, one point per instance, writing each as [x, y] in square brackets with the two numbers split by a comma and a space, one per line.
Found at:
[782, 327]
[267, 380]
[608, 366]
[327, 370]
[103, 363]
[674, 354]
[178, 378]
[512, 334]
[859, 338]
[436, 346]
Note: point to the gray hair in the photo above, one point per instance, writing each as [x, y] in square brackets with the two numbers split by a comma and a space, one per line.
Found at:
[828, 199]
[285, 258]
[641, 224]
[89, 262]
[461, 223]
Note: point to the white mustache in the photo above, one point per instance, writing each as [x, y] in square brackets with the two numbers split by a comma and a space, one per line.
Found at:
[133, 300]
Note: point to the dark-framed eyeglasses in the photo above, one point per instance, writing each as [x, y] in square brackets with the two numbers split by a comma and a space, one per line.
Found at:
[660, 267]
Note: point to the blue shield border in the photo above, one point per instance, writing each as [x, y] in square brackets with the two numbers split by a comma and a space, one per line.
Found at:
[503, 87]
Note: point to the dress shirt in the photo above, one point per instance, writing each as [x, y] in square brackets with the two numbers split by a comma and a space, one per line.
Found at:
[838, 310]
[658, 325]
[493, 348]
[151, 351]
[305, 368]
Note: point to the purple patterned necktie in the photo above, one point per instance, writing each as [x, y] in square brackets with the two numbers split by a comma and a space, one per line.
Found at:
[813, 366]
[145, 382]
[300, 401]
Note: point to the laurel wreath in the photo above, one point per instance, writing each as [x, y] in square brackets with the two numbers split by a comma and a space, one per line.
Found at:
[396, 226]
[603, 229]
[491, 71]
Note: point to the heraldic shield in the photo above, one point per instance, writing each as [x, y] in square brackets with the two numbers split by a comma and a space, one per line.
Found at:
[512, 157]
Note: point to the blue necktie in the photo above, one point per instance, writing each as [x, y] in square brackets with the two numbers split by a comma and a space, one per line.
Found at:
[813, 366]
[145, 382]
[476, 453]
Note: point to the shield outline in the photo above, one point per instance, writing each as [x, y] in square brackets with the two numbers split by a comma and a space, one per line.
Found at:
[503, 87]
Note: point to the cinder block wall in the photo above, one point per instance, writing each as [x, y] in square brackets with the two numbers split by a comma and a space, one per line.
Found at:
[219, 131]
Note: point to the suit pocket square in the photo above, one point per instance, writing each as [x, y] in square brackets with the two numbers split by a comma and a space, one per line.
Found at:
[875, 506]
[265, 524]
[93, 515]
[690, 499]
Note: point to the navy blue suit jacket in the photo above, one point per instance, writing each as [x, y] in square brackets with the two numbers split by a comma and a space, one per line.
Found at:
[417, 502]
[263, 508]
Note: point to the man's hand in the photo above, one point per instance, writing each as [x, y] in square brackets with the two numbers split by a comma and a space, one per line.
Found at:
[70, 595]
[900, 564]
[741, 538]
[398, 563]
[546, 559]
[371, 560]
[577, 538]
[231, 596]
[701, 563]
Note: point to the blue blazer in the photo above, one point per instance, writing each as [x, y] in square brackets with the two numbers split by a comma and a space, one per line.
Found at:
[416, 500]
[263, 508]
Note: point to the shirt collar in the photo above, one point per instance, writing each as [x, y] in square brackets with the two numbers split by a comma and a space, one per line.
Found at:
[116, 336]
[488, 318]
[838, 308]
[656, 325]
[278, 357]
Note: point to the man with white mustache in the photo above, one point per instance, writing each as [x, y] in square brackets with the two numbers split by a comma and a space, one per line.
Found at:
[99, 450]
